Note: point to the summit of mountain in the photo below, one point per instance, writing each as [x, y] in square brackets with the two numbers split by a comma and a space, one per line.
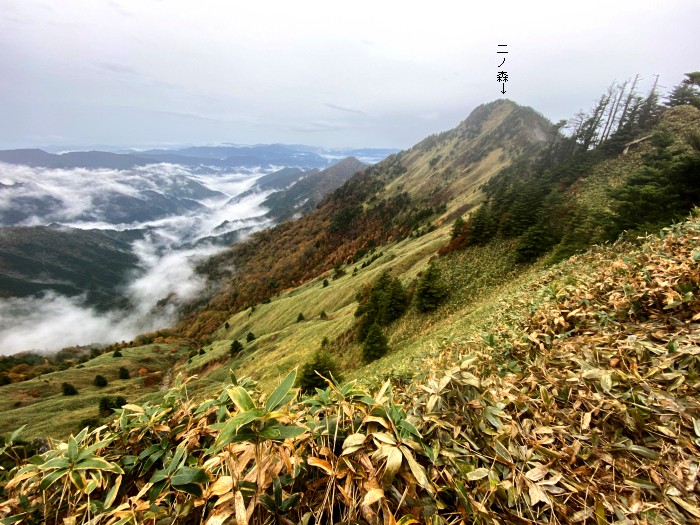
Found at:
[451, 166]
[406, 193]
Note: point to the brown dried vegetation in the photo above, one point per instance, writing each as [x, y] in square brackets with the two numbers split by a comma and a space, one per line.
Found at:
[580, 407]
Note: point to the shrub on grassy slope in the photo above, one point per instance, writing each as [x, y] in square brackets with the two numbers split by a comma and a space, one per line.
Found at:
[375, 345]
[68, 389]
[385, 302]
[430, 291]
[321, 363]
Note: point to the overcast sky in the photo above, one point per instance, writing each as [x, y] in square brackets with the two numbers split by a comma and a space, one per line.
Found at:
[326, 73]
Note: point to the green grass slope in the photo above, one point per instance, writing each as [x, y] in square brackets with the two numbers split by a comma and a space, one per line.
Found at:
[40, 404]
[406, 194]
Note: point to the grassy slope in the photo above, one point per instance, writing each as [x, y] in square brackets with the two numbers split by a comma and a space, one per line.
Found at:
[39, 403]
[473, 276]
[282, 343]
[580, 382]
[456, 164]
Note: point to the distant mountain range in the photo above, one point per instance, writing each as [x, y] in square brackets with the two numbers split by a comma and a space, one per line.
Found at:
[203, 157]
[49, 211]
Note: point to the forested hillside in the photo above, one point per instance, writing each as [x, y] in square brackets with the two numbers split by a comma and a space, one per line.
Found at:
[66, 260]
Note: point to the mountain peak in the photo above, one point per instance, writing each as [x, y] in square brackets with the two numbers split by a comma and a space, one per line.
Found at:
[503, 111]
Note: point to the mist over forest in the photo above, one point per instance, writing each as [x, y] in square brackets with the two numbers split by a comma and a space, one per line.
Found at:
[180, 215]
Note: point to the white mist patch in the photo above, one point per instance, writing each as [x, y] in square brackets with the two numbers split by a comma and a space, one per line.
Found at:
[168, 275]
[171, 248]
[53, 321]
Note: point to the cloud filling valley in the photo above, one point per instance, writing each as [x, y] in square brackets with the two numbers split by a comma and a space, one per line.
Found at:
[187, 210]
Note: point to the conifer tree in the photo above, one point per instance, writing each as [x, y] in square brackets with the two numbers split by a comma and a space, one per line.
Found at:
[124, 373]
[684, 94]
[236, 347]
[457, 227]
[376, 344]
[430, 291]
[250, 337]
[384, 303]
[396, 301]
[68, 389]
[321, 363]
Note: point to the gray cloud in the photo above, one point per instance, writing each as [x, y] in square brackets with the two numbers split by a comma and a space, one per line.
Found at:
[318, 127]
[115, 68]
[52, 322]
[347, 110]
[194, 116]
[243, 71]
[119, 8]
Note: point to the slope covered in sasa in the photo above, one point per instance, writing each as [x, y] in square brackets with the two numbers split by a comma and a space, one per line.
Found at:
[580, 405]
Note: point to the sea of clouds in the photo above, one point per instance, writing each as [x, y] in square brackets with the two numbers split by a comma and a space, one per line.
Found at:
[167, 254]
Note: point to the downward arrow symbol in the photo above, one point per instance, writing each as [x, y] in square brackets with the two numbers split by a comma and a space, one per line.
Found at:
[503, 89]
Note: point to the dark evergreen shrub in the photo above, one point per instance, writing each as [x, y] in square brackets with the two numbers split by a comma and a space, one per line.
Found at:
[68, 389]
[236, 347]
[105, 405]
[309, 379]
[430, 291]
[457, 227]
[375, 345]
[385, 302]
